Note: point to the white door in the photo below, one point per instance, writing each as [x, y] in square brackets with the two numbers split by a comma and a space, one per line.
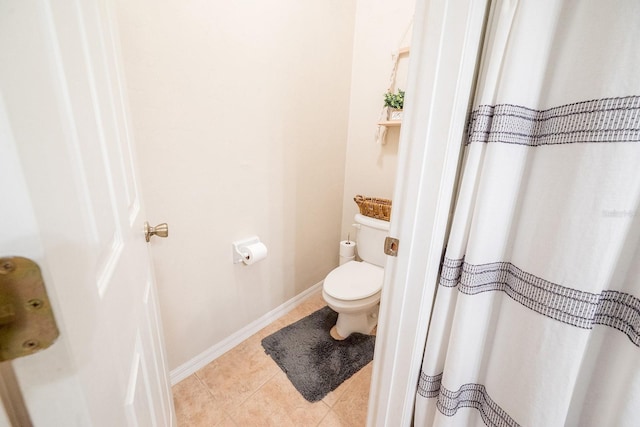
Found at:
[445, 48]
[71, 203]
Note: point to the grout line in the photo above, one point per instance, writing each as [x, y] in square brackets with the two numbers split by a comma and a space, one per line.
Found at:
[342, 420]
[204, 384]
[227, 418]
[256, 390]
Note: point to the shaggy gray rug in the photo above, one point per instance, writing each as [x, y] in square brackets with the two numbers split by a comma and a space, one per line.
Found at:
[314, 362]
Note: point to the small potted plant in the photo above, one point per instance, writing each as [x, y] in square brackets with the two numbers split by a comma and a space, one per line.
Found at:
[394, 103]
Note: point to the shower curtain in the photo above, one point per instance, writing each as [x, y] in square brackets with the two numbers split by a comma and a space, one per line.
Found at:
[536, 320]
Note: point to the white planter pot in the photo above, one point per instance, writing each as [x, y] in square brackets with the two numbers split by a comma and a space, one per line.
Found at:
[394, 114]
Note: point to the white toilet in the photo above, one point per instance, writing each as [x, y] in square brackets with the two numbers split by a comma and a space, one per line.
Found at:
[353, 289]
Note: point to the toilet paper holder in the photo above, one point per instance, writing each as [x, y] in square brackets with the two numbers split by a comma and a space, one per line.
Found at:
[240, 255]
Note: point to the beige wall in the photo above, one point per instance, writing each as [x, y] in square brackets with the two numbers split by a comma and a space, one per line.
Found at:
[371, 168]
[240, 112]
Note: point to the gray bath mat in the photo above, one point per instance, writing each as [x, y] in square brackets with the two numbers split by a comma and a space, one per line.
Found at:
[314, 362]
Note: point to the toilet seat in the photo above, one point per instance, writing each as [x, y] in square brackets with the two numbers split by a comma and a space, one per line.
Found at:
[353, 281]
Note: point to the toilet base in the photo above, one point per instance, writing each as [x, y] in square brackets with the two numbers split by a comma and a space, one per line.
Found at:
[363, 323]
[335, 335]
[354, 316]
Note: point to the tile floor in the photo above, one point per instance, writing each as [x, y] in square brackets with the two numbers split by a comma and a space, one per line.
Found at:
[245, 387]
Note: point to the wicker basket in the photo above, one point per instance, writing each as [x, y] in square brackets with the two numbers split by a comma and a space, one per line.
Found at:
[374, 207]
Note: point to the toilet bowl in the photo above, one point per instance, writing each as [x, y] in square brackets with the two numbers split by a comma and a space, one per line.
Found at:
[353, 289]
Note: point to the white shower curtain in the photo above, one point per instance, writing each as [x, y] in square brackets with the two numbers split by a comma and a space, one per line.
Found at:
[536, 320]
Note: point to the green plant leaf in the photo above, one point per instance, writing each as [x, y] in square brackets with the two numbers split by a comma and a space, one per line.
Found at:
[394, 100]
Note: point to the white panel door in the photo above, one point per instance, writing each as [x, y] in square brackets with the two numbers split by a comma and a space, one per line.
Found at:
[71, 203]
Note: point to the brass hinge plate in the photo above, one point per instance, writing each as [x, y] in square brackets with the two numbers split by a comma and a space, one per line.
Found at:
[391, 246]
[27, 324]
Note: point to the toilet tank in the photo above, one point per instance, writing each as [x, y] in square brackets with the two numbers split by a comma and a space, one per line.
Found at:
[370, 239]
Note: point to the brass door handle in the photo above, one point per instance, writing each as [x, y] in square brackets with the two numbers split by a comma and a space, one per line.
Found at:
[160, 230]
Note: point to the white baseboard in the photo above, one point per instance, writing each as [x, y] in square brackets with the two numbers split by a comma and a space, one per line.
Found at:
[217, 350]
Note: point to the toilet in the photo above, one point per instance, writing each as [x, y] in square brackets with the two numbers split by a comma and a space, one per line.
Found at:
[353, 289]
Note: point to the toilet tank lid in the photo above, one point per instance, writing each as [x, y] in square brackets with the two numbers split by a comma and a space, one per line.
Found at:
[354, 280]
[372, 222]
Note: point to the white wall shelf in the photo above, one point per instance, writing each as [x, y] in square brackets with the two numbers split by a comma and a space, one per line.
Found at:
[394, 123]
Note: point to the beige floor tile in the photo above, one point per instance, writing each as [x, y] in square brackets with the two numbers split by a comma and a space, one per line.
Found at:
[278, 403]
[333, 420]
[313, 303]
[332, 397]
[227, 422]
[352, 405]
[195, 406]
[245, 387]
[237, 374]
[274, 326]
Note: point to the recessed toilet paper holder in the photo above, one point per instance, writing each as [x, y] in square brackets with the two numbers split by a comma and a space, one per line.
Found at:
[240, 255]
